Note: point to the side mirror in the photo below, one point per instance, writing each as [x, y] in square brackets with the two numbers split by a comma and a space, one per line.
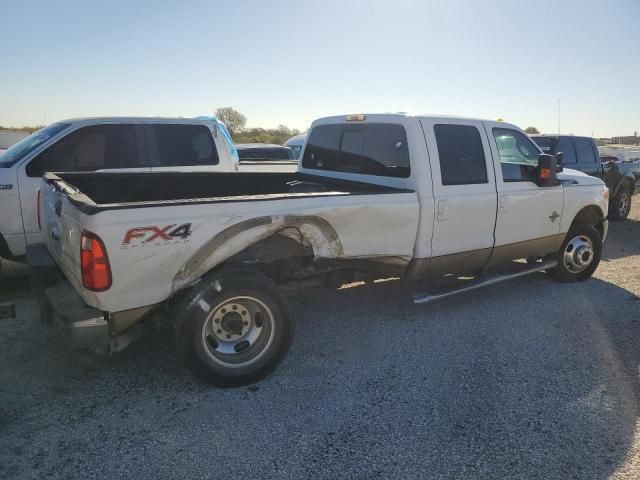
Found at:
[546, 171]
[559, 157]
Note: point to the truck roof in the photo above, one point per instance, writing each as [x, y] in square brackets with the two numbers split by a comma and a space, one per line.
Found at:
[136, 119]
[556, 135]
[381, 117]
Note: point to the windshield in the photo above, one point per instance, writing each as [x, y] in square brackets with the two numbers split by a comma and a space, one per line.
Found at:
[25, 146]
[546, 144]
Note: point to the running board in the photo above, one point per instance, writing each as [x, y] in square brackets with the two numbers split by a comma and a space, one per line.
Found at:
[426, 297]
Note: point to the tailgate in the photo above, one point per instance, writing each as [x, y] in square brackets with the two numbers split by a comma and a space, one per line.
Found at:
[60, 225]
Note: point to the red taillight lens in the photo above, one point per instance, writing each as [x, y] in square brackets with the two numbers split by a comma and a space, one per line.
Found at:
[96, 272]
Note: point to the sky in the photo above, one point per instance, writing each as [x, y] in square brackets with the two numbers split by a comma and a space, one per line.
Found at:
[289, 62]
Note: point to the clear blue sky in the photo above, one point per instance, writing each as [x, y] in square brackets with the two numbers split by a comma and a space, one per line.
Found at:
[292, 61]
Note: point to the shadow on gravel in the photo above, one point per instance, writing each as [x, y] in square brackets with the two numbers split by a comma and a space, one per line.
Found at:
[623, 239]
[14, 280]
[530, 379]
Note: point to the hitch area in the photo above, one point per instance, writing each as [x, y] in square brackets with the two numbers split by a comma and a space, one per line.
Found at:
[483, 281]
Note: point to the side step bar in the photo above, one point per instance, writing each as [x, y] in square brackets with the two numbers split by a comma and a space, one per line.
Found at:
[426, 297]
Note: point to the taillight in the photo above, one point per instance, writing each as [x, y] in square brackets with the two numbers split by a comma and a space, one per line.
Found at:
[96, 272]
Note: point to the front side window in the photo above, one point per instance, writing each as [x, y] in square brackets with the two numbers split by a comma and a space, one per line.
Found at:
[584, 148]
[185, 145]
[19, 150]
[565, 145]
[96, 147]
[371, 149]
[462, 160]
[518, 155]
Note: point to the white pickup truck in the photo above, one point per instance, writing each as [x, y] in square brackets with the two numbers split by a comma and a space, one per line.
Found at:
[375, 196]
[112, 144]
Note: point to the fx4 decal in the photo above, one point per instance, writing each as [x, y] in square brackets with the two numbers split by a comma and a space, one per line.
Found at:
[139, 236]
[7, 186]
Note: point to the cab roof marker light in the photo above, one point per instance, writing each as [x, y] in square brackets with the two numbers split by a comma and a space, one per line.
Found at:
[355, 118]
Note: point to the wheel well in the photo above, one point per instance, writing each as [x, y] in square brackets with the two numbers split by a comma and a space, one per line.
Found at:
[590, 215]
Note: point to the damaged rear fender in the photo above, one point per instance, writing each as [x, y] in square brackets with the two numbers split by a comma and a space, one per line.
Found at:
[315, 231]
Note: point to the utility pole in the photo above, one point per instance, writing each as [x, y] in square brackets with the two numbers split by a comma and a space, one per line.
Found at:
[558, 116]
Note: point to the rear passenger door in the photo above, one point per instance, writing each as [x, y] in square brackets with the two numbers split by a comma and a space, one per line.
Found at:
[464, 193]
[181, 147]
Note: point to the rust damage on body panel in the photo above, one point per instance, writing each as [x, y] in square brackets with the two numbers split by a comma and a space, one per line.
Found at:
[312, 231]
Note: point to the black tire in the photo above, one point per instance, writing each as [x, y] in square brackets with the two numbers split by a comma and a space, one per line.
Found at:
[568, 270]
[202, 327]
[620, 205]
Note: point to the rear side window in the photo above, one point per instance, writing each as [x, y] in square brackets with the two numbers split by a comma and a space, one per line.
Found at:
[98, 147]
[461, 155]
[584, 148]
[371, 149]
[565, 145]
[185, 145]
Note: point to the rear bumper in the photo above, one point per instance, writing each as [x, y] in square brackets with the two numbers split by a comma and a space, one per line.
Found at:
[85, 326]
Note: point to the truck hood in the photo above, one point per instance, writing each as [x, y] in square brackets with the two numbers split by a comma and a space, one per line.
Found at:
[576, 177]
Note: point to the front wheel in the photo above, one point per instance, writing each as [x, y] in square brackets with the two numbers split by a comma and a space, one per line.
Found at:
[579, 255]
[620, 205]
[233, 329]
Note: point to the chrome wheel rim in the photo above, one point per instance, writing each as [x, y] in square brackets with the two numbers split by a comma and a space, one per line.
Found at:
[238, 331]
[624, 204]
[578, 254]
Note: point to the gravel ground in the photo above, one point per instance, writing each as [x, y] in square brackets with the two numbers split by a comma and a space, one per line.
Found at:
[529, 379]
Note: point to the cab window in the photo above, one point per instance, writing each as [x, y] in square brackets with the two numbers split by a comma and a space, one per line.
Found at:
[185, 145]
[462, 160]
[518, 155]
[97, 147]
[565, 145]
[370, 149]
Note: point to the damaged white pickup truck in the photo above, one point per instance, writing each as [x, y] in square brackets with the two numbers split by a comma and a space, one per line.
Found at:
[375, 196]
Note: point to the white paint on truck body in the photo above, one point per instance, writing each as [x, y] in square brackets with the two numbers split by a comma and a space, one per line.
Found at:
[431, 219]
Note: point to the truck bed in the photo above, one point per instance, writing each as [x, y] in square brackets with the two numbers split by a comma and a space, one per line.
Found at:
[93, 192]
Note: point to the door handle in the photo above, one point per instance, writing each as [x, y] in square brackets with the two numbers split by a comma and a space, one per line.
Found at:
[55, 235]
[441, 212]
[502, 203]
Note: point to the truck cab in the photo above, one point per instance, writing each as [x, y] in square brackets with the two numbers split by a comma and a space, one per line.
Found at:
[101, 144]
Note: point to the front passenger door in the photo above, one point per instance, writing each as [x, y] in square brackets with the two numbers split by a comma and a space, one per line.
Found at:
[528, 221]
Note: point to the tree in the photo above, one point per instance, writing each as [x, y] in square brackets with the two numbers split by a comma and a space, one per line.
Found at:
[233, 119]
[531, 130]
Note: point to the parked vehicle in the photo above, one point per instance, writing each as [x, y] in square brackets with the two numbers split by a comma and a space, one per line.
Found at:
[295, 144]
[265, 157]
[581, 153]
[375, 196]
[99, 144]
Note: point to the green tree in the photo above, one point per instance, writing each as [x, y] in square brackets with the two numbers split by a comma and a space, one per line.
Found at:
[531, 130]
[234, 120]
